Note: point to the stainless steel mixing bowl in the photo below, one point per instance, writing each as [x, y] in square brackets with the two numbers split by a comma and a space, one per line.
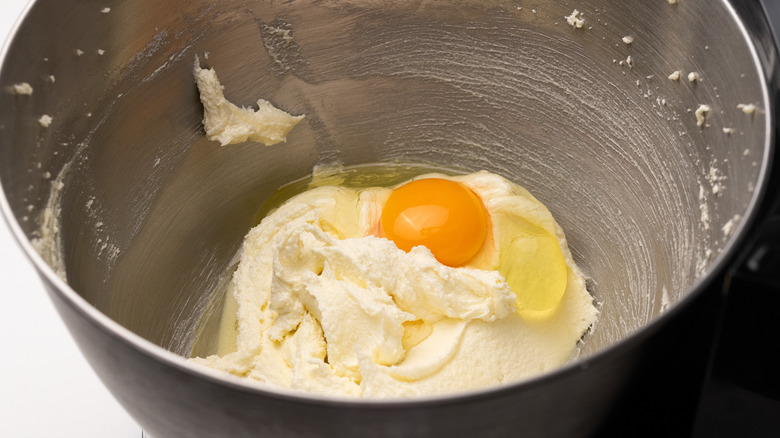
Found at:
[145, 213]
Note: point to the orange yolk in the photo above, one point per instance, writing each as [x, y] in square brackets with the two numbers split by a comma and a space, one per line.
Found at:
[442, 215]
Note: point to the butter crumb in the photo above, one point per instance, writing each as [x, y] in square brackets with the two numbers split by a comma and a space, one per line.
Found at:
[575, 19]
[105, 10]
[672, 2]
[728, 131]
[702, 112]
[79, 52]
[675, 76]
[22, 89]
[694, 77]
[628, 39]
[228, 124]
[749, 108]
[45, 121]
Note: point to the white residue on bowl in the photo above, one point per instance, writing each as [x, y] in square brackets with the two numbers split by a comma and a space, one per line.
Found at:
[703, 261]
[48, 243]
[665, 300]
[728, 227]
[716, 179]
[704, 209]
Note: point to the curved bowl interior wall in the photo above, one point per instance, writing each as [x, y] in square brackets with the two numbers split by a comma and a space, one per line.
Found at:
[151, 212]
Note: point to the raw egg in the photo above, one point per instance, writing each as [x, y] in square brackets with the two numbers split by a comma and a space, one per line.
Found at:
[445, 216]
[532, 263]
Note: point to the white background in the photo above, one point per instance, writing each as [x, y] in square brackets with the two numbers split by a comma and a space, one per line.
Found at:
[47, 389]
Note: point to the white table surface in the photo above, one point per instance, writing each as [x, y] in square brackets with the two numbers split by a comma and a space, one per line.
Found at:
[47, 388]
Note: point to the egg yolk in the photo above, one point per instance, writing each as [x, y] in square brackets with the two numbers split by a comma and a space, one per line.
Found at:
[445, 216]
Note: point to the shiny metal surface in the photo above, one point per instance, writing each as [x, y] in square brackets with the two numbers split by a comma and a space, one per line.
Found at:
[152, 212]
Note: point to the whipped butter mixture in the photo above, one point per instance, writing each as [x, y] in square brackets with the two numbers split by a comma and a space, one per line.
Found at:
[440, 285]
